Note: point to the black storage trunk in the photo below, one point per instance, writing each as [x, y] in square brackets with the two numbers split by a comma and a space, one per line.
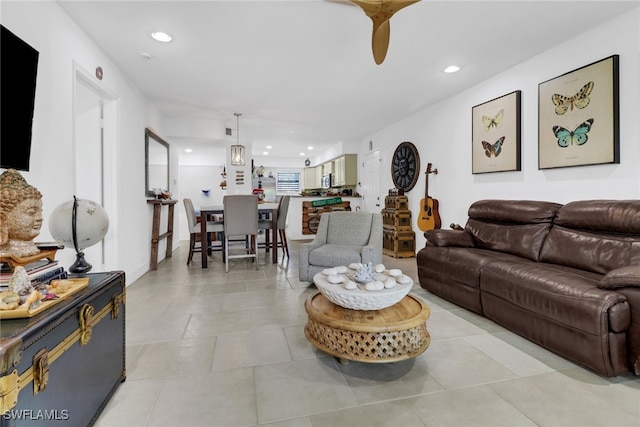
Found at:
[61, 367]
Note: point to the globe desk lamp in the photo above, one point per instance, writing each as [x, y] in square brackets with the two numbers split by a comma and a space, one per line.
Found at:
[82, 223]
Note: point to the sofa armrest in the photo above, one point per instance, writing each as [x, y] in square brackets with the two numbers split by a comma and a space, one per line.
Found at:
[457, 238]
[622, 277]
[306, 248]
[303, 259]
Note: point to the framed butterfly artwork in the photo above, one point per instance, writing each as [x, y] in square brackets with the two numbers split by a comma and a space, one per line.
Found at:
[495, 141]
[578, 116]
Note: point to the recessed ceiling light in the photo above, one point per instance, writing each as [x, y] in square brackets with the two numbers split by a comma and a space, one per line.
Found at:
[265, 153]
[302, 154]
[161, 36]
[188, 150]
[269, 147]
[309, 148]
[452, 69]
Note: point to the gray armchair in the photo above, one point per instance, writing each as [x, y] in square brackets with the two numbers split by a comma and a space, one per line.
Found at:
[342, 238]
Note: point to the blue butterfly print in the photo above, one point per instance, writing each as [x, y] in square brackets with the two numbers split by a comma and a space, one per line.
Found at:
[494, 149]
[578, 136]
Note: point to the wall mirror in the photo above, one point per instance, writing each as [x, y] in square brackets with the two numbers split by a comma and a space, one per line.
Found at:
[156, 156]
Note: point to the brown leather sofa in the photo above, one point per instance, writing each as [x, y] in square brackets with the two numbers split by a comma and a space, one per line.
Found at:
[566, 277]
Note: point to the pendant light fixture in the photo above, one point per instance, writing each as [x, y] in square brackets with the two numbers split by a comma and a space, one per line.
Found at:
[237, 150]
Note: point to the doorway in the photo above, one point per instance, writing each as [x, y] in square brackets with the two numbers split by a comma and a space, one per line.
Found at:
[371, 182]
[95, 127]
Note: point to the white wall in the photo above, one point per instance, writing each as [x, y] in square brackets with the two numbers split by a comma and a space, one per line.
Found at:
[442, 133]
[193, 179]
[60, 42]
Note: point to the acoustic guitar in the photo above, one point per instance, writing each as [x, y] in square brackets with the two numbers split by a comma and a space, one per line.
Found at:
[429, 217]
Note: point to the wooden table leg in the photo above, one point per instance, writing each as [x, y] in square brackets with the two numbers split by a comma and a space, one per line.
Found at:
[170, 232]
[274, 234]
[155, 233]
[203, 239]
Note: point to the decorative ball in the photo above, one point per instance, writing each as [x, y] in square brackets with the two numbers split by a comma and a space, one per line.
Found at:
[350, 285]
[335, 278]
[92, 223]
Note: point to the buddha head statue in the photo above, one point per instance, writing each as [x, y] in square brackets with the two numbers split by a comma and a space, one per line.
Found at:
[20, 215]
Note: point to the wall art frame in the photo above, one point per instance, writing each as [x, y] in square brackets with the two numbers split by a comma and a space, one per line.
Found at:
[579, 118]
[496, 128]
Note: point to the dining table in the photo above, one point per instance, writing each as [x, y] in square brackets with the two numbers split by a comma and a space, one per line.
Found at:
[207, 210]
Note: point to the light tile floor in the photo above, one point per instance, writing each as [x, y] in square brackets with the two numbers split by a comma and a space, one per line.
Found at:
[209, 348]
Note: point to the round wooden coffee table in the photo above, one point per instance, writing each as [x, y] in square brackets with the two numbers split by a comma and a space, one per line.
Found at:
[391, 334]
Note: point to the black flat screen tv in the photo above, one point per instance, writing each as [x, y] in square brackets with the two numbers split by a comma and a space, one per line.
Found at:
[18, 71]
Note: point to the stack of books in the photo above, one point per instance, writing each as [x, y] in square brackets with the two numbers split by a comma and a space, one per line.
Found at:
[40, 272]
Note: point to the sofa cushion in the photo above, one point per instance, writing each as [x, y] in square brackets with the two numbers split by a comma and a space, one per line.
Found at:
[612, 216]
[335, 255]
[514, 211]
[566, 295]
[349, 229]
[517, 227]
[463, 264]
[454, 273]
[595, 235]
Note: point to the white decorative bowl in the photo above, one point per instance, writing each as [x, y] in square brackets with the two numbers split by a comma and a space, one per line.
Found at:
[360, 299]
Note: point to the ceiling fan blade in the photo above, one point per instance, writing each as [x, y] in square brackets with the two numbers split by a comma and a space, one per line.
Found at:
[388, 7]
[380, 12]
[380, 41]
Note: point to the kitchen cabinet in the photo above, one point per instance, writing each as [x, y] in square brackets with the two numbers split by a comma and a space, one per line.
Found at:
[338, 171]
[313, 177]
[327, 168]
[345, 170]
[310, 178]
[319, 172]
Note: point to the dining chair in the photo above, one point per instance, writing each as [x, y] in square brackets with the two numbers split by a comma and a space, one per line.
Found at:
[265, 224]
[241, 219]
[195, 230]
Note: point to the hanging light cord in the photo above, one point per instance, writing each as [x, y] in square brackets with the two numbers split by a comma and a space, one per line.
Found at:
[237, 127]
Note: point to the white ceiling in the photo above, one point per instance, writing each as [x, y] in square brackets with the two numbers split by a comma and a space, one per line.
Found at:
[302, 72]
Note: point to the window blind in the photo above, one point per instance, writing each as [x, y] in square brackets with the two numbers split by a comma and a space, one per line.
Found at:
[288, 182]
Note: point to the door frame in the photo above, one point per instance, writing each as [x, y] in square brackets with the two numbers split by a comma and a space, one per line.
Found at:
[110, 126]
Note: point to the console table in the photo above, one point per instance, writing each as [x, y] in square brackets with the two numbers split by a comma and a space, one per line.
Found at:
[155, 229]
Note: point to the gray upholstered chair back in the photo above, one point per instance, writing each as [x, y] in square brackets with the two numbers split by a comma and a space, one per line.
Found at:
[191, 214]
[240, 215]
[283, 209]
[348, 228]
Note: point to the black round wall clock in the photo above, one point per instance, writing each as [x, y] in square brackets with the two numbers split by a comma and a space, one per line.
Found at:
[405, 166]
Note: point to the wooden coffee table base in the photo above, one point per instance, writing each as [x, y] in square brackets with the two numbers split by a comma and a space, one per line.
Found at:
[394, 333]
